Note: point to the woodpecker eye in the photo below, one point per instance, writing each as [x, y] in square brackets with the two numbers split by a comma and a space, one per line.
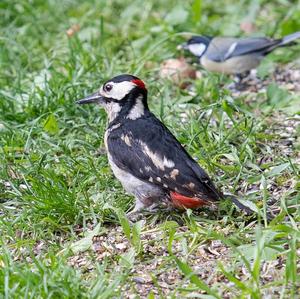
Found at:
[108, 87]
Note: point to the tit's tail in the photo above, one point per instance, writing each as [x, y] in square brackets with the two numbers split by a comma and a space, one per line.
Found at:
[288, 39]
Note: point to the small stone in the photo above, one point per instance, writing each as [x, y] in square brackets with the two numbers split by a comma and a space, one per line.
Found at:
[177, 70]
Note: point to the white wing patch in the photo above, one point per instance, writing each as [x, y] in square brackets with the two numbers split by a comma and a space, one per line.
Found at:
[230, 50]
[197, 49]
[126, 139]
[157, 160]
[168, 163]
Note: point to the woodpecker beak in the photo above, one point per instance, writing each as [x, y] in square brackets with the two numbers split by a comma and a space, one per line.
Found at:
[93, 98]
[183, 46]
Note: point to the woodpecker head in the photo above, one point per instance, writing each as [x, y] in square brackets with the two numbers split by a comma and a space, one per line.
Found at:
[122, 96]
[197, 45]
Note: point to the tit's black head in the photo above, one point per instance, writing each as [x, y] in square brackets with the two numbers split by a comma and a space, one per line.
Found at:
[197, 45]
[198, 39]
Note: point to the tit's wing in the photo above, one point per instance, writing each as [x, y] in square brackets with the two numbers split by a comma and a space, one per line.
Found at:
[148, 151]
[222, 48]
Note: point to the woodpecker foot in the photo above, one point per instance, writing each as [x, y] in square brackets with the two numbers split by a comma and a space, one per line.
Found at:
[137, 213]
[134, 216]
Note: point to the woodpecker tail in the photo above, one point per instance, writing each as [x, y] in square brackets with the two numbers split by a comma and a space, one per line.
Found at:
[244, 208]
[289, 38]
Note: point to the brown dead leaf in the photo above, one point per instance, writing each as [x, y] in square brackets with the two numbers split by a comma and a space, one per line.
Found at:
[178, 71]
[247, 27]
[72, 30]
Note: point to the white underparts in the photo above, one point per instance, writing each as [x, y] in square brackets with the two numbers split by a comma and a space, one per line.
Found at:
[112, 109]
[147, 193]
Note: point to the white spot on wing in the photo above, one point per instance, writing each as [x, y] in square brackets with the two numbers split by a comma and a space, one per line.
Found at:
[192, 185]
[168, 163]
[174, 173]
[126, 139]
[116, 126]
[147, 168]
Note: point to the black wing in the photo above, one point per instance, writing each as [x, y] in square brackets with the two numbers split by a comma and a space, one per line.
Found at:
[149, 151]
[222, 48]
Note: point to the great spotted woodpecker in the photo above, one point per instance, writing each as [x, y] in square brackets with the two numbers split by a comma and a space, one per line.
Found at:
[145, 156]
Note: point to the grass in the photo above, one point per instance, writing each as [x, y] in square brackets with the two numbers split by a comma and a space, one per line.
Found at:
[63, 232]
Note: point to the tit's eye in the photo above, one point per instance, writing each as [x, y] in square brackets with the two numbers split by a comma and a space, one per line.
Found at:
[108, 87]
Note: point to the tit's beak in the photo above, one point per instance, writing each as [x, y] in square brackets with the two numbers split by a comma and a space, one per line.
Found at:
[183, 46]
[93, 98]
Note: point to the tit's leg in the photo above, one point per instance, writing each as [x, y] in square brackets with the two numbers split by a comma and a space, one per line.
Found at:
[238, 83]
[242, 76]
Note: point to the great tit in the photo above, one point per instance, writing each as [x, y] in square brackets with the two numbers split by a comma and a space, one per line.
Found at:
[236, 56]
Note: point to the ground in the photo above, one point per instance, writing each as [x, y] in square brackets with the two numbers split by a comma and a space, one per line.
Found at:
[63, 229]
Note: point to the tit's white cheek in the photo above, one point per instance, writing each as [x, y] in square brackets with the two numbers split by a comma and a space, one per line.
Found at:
[197, 49]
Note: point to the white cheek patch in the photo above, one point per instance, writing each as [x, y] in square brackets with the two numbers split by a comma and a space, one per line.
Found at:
[197, 49]
[137, 110]
[119, 90]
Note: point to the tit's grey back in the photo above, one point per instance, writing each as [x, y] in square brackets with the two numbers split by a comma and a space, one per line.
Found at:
[223, 48]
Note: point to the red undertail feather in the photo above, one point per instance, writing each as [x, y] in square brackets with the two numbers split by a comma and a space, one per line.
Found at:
[181, 201]
[139, 83]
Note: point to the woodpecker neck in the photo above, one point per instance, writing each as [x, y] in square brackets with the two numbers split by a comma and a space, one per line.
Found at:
[132, 107]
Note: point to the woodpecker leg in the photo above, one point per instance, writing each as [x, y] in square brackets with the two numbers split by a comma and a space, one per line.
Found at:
[139, 206]
[153, 208]
[147, 204]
